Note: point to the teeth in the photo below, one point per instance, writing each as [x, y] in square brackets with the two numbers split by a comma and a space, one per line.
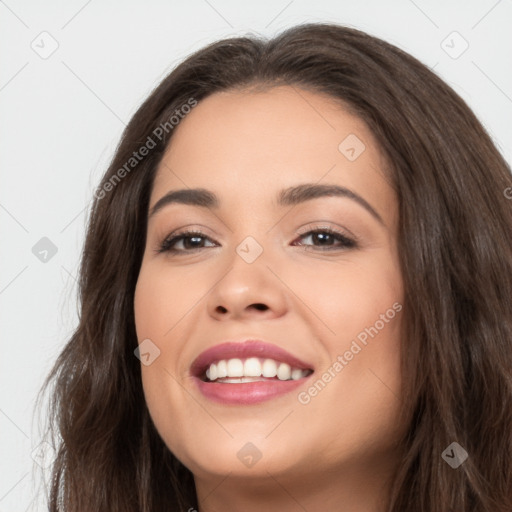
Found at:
[284, 372]
[222, 369]
[297, 374]
[241, 380]
[235, 368]
[252, 369]
[269, 368]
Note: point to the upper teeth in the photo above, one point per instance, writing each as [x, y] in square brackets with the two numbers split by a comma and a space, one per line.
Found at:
[253, 367]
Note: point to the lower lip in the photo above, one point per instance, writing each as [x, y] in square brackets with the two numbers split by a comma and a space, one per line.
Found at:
[248, 392]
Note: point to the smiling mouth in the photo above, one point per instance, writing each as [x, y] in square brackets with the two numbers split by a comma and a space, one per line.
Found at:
[252, 369]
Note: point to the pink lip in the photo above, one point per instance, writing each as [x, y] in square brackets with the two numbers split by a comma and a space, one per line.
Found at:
[249, 392]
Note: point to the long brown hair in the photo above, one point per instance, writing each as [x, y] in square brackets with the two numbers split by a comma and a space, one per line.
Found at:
[455, 247]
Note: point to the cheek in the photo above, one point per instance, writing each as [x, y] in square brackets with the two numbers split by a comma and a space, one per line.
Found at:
[357, 389]
[162, 299]
[357, 311]
[163, 296]
[349, 296]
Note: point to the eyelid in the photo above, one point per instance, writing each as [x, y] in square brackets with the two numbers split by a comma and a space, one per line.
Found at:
[194, 228]
[327, 225]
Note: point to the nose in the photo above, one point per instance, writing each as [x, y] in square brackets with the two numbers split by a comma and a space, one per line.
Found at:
[247, 291]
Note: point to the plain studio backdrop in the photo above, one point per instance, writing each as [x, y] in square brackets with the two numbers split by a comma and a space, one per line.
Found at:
[73, 73]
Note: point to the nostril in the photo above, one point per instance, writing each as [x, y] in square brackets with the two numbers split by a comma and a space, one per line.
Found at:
[260, 307]
[222, 309]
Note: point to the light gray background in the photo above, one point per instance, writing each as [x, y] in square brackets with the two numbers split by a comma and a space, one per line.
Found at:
[62, 115]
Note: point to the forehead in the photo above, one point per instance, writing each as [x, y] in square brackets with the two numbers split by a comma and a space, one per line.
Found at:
[252, 144]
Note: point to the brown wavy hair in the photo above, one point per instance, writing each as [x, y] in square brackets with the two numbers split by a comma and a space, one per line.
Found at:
[455, 241]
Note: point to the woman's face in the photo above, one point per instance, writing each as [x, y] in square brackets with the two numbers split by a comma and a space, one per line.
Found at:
[275, 258]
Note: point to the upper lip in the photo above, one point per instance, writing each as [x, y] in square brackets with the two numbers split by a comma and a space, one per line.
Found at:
[244, 349]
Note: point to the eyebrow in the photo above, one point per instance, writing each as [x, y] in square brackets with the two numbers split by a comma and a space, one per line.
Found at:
[288, 197]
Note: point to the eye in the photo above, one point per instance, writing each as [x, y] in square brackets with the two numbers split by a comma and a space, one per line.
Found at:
[187, 241]
[328, 239]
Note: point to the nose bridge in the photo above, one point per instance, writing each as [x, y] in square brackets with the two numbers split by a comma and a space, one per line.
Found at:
[251, 235]
[250, 249]
[248, 286]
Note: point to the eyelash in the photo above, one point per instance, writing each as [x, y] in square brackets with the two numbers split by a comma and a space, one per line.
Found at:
[346, 242]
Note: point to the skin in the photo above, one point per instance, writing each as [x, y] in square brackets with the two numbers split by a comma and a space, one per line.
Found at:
[339, 449]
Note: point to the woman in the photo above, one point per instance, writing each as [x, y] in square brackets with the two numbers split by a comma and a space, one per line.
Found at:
[295, 293]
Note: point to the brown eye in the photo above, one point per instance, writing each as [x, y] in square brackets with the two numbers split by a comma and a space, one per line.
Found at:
[189, 241]
[328, 238]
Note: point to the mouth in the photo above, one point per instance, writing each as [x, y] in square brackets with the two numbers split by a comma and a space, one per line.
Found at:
[248, 372]
[252, 369]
